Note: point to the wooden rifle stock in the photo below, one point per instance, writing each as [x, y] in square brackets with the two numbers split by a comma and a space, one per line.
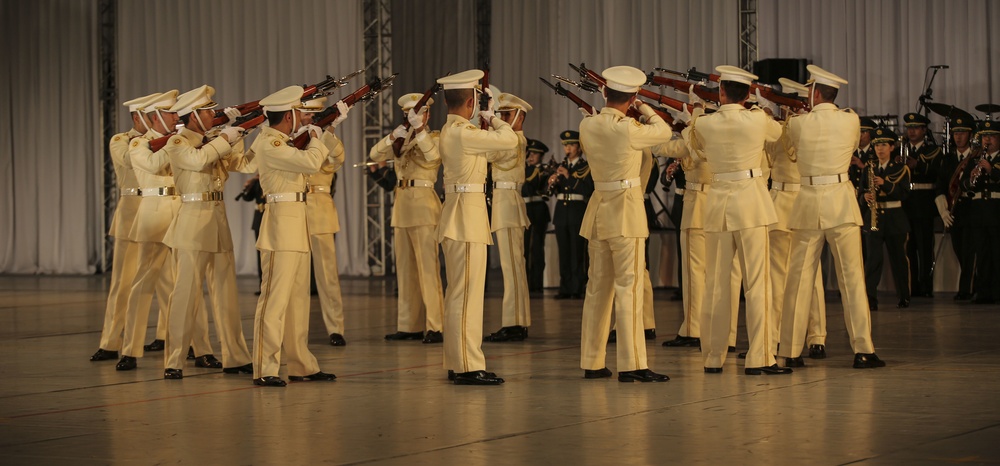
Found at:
[255, 119]
[684, 86]
[326, 117]
[484, 99]
[767, 92]
[397, 145]
[560, 90]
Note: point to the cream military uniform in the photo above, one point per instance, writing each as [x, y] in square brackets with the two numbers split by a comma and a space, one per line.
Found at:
[282, 316]
[415, 215]
[157, 208]
[825, 211]
[464, 227]
[199, 235]
[615, 226]
[509, 220]
[322, 222]
[737, 212]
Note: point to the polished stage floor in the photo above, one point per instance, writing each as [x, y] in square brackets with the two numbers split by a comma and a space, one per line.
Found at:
[936, 402]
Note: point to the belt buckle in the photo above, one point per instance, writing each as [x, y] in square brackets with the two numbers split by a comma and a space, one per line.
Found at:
[624, 184]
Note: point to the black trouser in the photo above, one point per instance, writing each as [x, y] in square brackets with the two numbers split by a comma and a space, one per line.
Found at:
[534, 244]
[572, 258]
[895, 245]
[961, 242]
[920, 251]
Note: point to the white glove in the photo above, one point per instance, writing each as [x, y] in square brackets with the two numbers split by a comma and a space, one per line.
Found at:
[399, 132]
[644, 109]
[298, 132]
[416, 119]
[487, 115]
[232, 113]
[314, 131]
[343, 109]
[693, 98]
[584, 112]
[232, 133]
[767, 104]
[942, 207]
[489, 92]
[682, 116]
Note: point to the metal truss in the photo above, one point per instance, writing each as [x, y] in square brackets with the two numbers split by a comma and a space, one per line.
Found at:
[748, 34]
[108, 70]
[378, 122]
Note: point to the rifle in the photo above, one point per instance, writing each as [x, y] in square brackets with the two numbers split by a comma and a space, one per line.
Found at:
[484, 98]
[560, 90]
[590, 86]
[597, 79]
[397, 145]
[704, 92]
[247, 122]
[588, 83]
[363, 94]
[792, 101]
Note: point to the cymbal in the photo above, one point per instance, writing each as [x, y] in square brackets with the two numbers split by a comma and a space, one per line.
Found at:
[939, 108]
[988, 108]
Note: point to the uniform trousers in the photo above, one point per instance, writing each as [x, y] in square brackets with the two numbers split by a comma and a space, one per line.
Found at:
[648, 317]
[156, 273]
[465, 264]
[281, 321]
[987, 260]
[807, 246]
[694, 295]
[516, 310]
[193, 268]
[780, 244]
[920, 250]
[124, 266]
[617, 268]
[746, 249]
[961, 243]
[331, 302]
[534, 244]
[895, 245]
[421, 302]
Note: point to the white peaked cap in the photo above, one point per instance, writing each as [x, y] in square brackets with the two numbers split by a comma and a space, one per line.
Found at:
[464, 80]
[135, 105]
[198, 98]
[624, 78]
[821, 76]
[159, 102]
[735, 74]
[513, 102]
[283, 100]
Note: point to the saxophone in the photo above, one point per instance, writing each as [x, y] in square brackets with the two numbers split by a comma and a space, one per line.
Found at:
[873, 190]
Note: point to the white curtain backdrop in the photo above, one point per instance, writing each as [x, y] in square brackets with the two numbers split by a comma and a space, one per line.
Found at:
[247, 50]
[883, 48]
[50, 147]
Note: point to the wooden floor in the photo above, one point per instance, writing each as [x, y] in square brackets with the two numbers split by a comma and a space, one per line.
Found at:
[936, 403]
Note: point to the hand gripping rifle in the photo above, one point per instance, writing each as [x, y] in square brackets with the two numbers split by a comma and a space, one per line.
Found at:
[325, 87]
[598, 80]
[247, 122]
[363, 94]
[484, 98]
[397, 145]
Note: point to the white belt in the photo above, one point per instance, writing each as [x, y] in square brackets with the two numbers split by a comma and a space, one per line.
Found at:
[571, 197]
[921, 185]
[824, 179]
[696, 186]
[679, 192]
[986, 196]
[779, 186]
[317, 188]
[285, 197]
[617, 185]
[534, 199]
[164, 191]
[465, 188]
[202, 197]
[414, 183]
[740, 175]
[890, 205]
[506, 185]
[130, 191]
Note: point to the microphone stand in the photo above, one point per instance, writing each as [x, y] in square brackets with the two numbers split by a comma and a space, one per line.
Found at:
[922, 100]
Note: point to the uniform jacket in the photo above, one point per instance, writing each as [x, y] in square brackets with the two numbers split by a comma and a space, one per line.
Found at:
[152, 170]
[783, 170]
[124, 217]
[580, 181]
[895, 188]
[419, 160]
[321, 212]
[508, 205]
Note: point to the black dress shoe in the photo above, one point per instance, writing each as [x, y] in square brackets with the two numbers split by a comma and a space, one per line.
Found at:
[190, 352]
[680, 341]
[872, 306]
[867, 361]
[713, 370]
[984, 301]
[963, 296]
[732, 349]
[641, 375]
[817, 352]
[613, 336]
[650, 333]
[156, 345]
[244, 369]
[104, 355]
[399, 336]
[451, 375]
[127, 363]
[596, 374]
[563, 296]
[742, 355]
[795, 362]
[336, 339]
[173, 374]
[903, 303]
[270, 381]
[207, 361]
[433, 337]
[513, 333]
[477, 378]
[677, 296]
[773, 369]
[256, 293]
[926, 294]
[319, 376]
[578, 296]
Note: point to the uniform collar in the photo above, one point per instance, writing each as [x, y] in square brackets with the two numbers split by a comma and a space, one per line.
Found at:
[730, 107]
[453, 118]
[132, 133]
[612, 111]
[865, 149]
[825, 106]
[274, 133]
[195, 138]
[917, 146]
[963, 155]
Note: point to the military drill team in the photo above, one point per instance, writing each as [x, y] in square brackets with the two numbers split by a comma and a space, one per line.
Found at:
[758, 190]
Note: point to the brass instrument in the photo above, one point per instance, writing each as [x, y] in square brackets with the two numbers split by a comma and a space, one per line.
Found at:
[873, 190]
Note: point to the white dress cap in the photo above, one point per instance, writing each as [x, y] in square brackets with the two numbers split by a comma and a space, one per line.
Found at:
[789, 86]
[821, 76]
[196, 99]
[283, 100]
[464, 80]
[624, 78]
[409, 101]
[134, 105]
[313, 105]
[513, 102]
[159, 102]
[735, 74]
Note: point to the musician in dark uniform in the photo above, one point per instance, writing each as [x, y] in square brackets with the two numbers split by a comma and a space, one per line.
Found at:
[891, 185]
[981, 178]
[572, 186]
[859, 163]
[536, 204]
[383, 176]
[252, 192]
[674, 172]
[953, 202]
[921, 155]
